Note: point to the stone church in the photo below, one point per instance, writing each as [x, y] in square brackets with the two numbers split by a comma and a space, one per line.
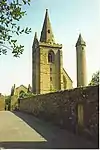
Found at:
[48, 74]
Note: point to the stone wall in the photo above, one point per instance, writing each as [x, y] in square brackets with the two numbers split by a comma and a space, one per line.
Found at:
[76, 109]
[2, 102]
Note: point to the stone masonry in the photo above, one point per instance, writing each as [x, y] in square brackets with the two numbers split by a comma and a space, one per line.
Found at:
[76, 109]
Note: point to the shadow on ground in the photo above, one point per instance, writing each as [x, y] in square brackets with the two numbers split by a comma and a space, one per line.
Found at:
[23, 145]
[56, 138]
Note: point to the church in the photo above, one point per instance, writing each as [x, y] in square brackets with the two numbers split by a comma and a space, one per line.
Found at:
[48, 74]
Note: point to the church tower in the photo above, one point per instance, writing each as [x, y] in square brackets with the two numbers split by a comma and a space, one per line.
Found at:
[81, 62]
[47, 64]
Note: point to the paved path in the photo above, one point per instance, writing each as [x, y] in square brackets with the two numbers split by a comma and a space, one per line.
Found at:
[19, 130]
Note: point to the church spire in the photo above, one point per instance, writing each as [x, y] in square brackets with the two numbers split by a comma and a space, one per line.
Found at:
[46, 34]
[35, 37]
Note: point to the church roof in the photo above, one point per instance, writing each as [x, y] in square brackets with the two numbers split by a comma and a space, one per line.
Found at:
[46, 33]
[80, 41]
[67, 74]
[22, 86]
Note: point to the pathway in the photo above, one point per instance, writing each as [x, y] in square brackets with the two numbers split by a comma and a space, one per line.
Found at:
[21, 130]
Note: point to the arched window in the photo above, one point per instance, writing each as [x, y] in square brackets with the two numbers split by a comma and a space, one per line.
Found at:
[51, 57]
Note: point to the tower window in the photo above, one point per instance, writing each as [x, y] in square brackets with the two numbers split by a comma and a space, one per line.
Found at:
[50, 78]
[48, 31]
[51, 57]
[50, 69]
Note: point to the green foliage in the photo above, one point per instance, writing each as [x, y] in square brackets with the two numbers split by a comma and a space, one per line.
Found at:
[12, 90]
[95, 79]
[25, 95]
[10, 13]
[7, 100]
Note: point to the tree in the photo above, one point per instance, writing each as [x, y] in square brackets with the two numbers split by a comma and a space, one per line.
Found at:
[29, 89]
[7, 99]
[8, 102]
[95, 79]
[10, 14]
[12, 90]
[25, 95]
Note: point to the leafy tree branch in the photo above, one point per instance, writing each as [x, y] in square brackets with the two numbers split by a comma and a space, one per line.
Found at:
[10, 14]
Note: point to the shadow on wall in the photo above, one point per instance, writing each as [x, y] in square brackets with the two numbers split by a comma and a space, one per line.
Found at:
[61, 109]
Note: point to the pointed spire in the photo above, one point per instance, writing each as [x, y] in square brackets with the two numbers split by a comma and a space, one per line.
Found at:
[46, 34]
[35, 41]
[35, 36]
[80, 41]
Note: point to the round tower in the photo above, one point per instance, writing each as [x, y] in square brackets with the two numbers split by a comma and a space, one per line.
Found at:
[81, 62]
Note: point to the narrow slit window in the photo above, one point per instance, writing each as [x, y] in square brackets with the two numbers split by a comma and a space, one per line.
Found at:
[50, 78]
[48, 31]
[50, 69]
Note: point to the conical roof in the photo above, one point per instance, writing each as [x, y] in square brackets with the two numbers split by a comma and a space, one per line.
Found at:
[35, 36]
[80, 41]
[35, 41]
[47, 34]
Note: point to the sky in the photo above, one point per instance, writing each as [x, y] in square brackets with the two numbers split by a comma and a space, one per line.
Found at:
[68, 18]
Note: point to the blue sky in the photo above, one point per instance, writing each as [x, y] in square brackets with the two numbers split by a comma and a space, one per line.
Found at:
[68, 19]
